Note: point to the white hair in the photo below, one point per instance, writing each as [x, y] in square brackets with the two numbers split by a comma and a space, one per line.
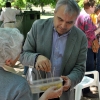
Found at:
[10, 44]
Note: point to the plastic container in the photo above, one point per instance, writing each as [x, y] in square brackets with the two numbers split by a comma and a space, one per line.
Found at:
[42, 85]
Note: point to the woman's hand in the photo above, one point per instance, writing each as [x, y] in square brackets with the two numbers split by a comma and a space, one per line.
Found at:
[51, 93]
[97, 31]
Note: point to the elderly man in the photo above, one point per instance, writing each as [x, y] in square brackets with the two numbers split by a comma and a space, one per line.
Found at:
[56, 46]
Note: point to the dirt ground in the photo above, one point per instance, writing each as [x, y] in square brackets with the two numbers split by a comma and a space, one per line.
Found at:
[19, 69]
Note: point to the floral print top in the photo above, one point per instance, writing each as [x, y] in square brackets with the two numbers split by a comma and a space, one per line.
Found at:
[85, 23]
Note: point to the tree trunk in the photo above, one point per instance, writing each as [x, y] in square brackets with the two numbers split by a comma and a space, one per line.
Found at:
[43, 11]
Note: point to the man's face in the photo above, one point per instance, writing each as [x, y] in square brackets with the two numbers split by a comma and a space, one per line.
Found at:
[63, 22]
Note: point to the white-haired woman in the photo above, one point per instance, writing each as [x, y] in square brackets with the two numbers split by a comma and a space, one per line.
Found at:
[13, 86]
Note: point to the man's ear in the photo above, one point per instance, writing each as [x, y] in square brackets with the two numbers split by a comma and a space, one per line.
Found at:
[8, 62]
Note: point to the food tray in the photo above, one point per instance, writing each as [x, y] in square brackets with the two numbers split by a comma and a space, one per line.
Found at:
[42, 85]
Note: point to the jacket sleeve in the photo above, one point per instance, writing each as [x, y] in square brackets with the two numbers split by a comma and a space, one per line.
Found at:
[28, 54]
[79, 68]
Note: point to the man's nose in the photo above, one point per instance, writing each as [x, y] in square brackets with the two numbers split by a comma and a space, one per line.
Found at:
[63, 25]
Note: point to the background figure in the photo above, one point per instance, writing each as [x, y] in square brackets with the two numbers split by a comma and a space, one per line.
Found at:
[56, 45]
[0, 10]
[97, 12]
[13, 86]
[85, 23]
[94, 18]
[8, 16]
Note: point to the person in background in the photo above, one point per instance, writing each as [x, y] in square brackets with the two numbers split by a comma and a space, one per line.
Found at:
[0, 10]
[8, 16]
[96, 21]
[94, 18]
[97, 12]
[13, 86]
[56, 46]
[85, 23]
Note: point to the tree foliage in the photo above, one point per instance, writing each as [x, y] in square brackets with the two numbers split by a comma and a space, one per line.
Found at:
[19, 3]
[41, 3]
[2, 3]
[53, 3]
[98, 1]
[80, 3]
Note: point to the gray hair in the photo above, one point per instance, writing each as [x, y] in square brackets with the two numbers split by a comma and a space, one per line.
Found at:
[10, 44]
[71, 6]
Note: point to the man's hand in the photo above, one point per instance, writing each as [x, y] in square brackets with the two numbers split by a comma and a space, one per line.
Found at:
[67, 83]
[43, 63]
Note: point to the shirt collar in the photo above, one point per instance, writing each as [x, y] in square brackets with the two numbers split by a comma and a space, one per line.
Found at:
[66, 34]
[10, 69]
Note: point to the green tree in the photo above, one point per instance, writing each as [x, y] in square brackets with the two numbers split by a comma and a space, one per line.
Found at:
[40, 3]
[19, 3]
[98, 1]
[2, 3]
[80, 3]
[53, 3]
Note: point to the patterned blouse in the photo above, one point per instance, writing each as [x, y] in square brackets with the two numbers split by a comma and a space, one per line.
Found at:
[85, 23]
